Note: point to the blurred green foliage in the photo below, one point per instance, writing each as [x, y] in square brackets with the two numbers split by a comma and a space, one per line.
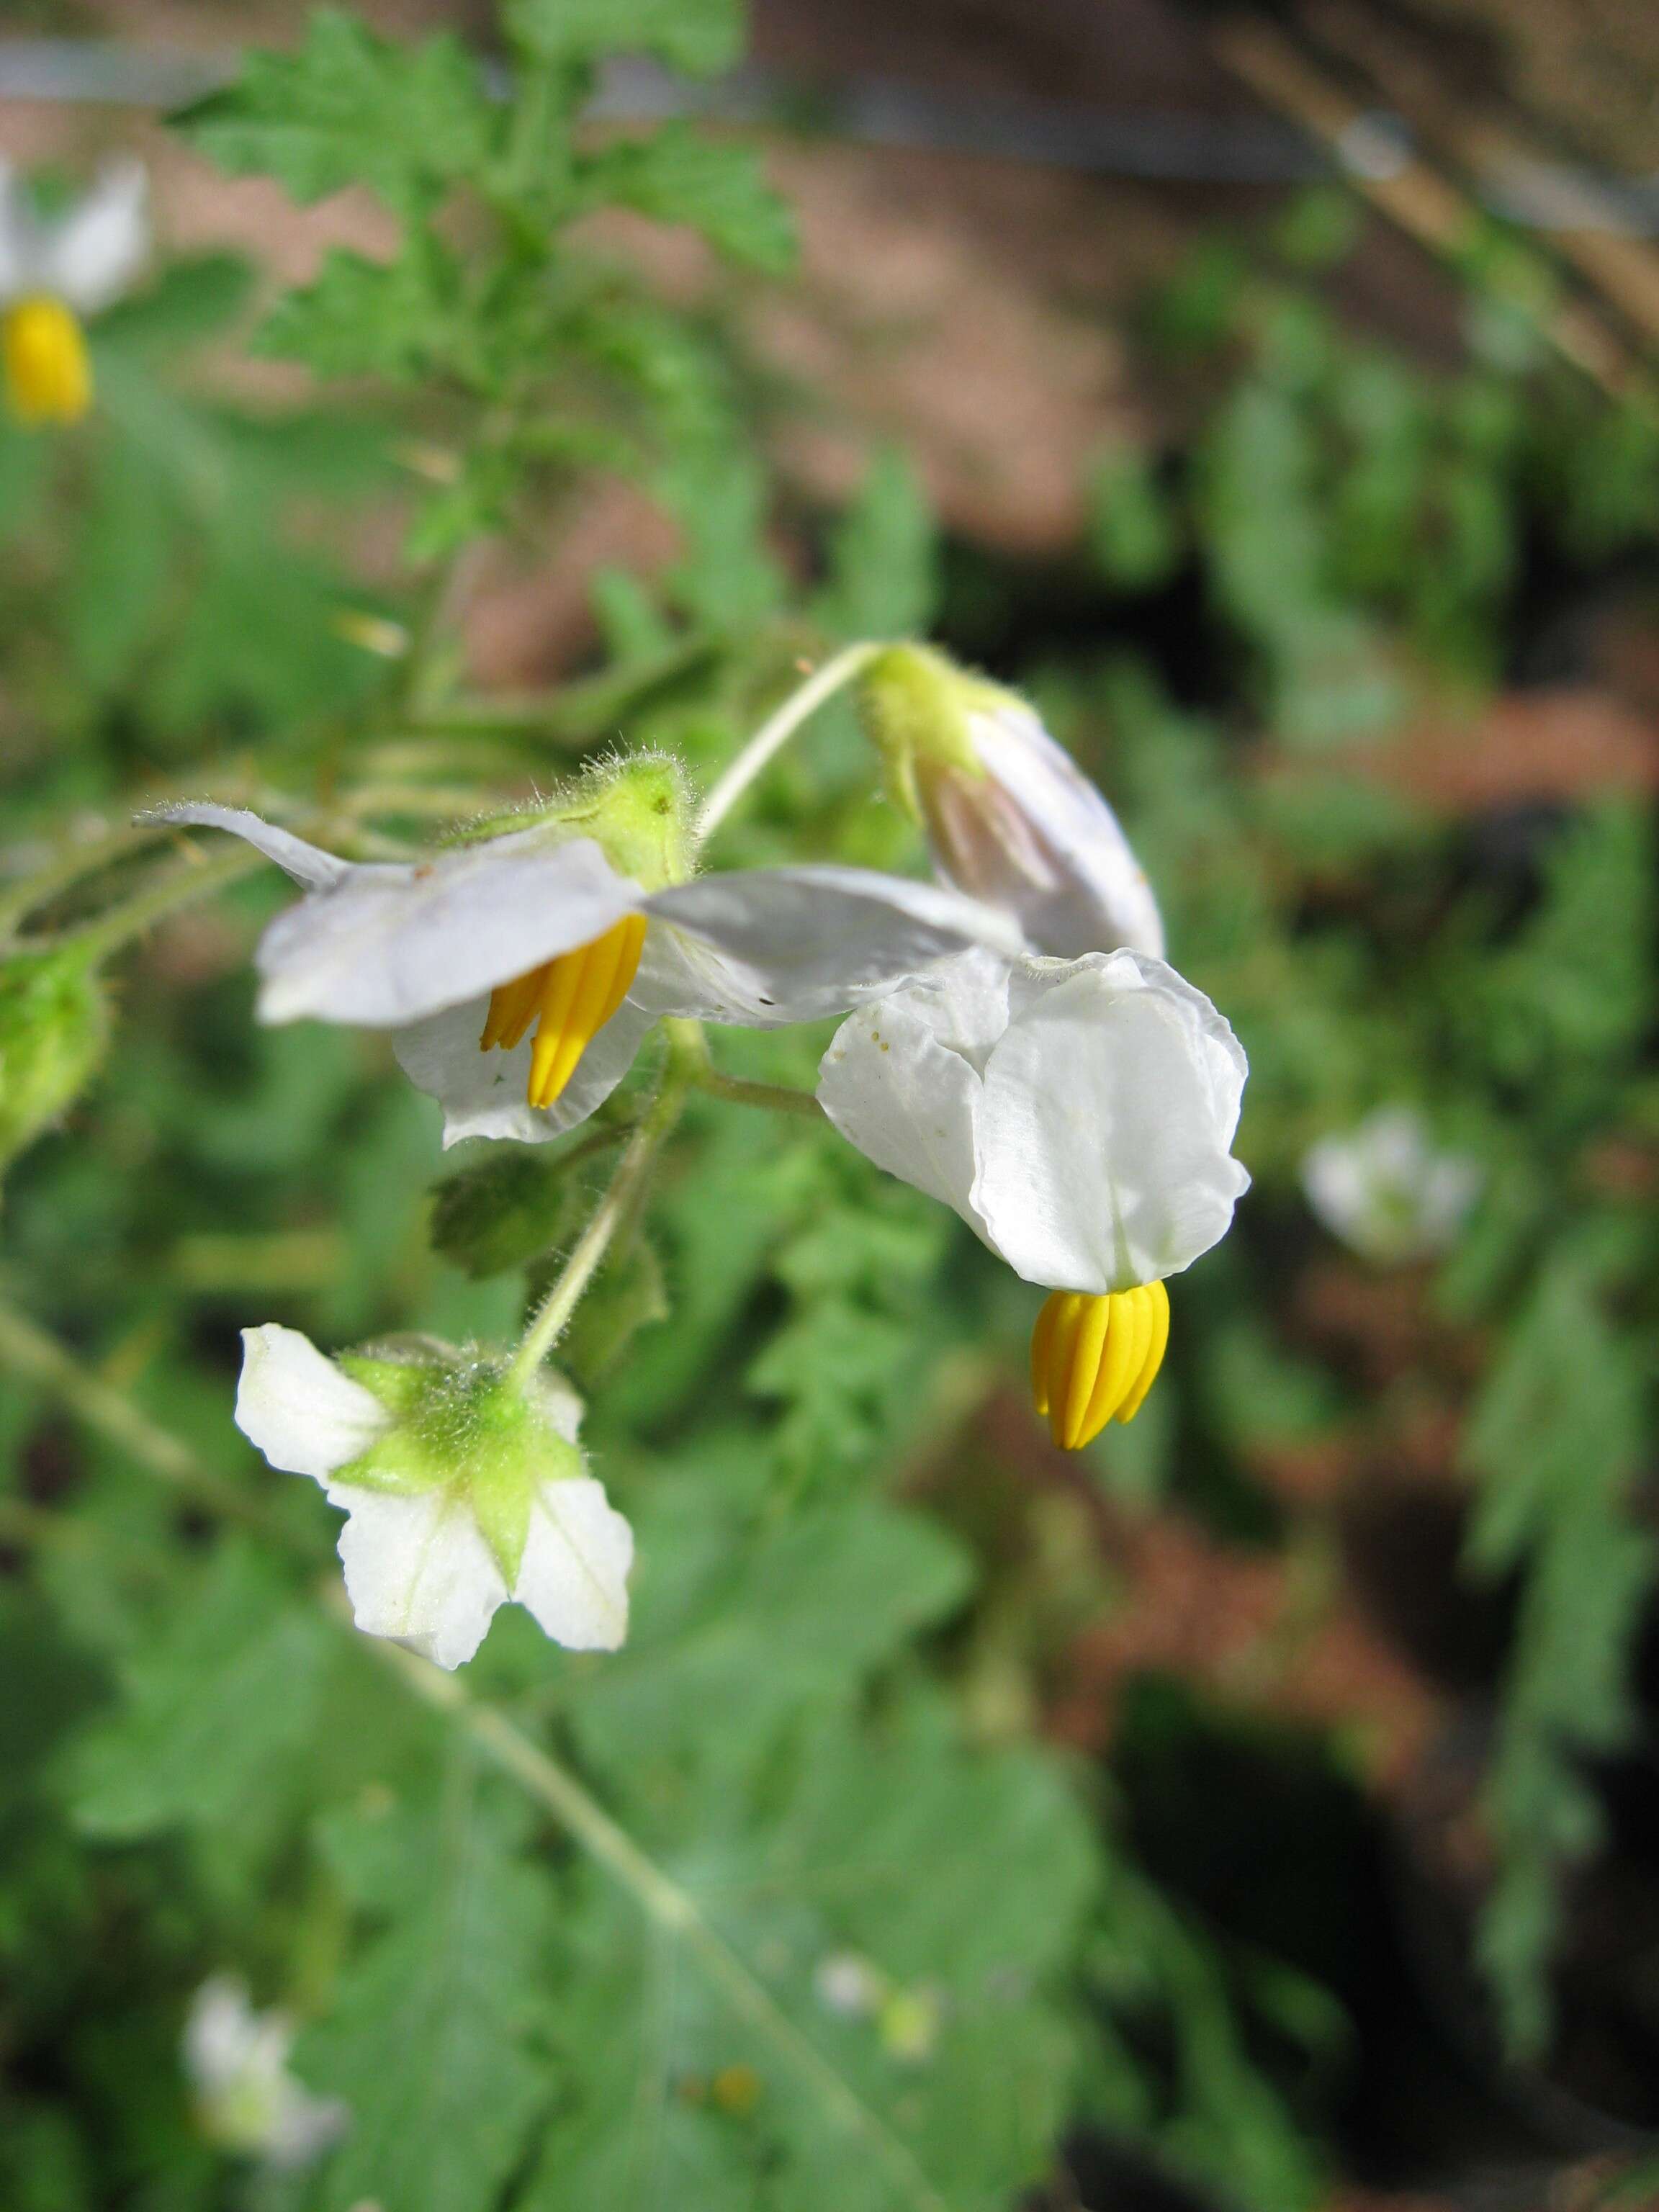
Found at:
[201, 1770]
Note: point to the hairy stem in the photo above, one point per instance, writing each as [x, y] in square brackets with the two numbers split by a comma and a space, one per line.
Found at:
[552, 1317]
[181, 887]
[776, 731]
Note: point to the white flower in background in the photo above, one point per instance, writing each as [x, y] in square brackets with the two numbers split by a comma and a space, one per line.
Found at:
[1388, 1191]
[246, 2101]
[519, 974]
[464, 1489]
[1078, 1114]
[1009, 816]
[54, 270]
[849, 1984]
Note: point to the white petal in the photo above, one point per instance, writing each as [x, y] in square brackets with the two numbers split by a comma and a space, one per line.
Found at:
[418, 1569]
[222, 2034]
[1385, 1190]
[483, 1093]
[1087, 892]
[1108, 1108]
[792, 944]
[574, 1575]
[99, 249]
[307, 864]
[901, 1081]
[386, 946]
[302, 1413]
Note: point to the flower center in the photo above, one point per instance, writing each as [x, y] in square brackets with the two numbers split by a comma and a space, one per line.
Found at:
[569, 999]
[1093, 1359]
[48, 376]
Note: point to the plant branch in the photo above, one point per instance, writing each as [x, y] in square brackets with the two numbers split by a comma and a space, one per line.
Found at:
[30, 1353]
[672, 1907]
[552, 1317]
[776, 731]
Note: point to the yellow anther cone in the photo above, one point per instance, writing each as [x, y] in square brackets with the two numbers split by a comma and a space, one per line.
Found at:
[48, 374]
[569, 999]
[1093, 1359]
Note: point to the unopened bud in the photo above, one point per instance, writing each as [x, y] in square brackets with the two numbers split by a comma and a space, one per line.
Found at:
[54, 1025]
[1008, 815]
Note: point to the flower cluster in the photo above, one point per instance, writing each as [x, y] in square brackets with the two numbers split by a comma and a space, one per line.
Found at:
[1014, 1044]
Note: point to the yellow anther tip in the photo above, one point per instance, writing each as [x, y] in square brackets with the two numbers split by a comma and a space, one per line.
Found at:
[570, 999]
[48, 375]
[1094, 1359]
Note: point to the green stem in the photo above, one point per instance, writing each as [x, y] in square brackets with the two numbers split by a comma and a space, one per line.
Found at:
[69, 865]
[668, 1905]
[552, 1317]
[28, 1352]
[776, 731]
[181, 888]
[776, 1097]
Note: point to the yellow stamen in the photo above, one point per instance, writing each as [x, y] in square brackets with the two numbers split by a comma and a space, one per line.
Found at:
[1093, 1359]
[569, 999]
[48, 375]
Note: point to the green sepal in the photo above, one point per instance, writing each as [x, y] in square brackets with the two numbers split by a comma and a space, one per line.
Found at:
[633, 805]
[460, 1424]
[913, 703]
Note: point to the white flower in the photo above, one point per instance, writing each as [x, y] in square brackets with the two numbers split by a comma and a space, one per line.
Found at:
[847, 1984]
[1386, 1191]
[466, 955]
[1078, 1114]
[1009, 816]
[245, 2097]
[54, 272]
[462, 1489]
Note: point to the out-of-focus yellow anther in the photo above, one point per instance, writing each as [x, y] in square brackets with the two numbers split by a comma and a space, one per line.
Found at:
[569, 999]
[48, 374]
[1093, 1359]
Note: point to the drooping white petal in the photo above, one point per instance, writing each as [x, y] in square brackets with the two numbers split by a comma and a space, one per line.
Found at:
[308, 865]
[1072, 879]
[901, 1080]
[298, 1409]
[1108, 1107]
[776, 945]
[484, 1093]
[386, 946]
[573, 1574]
[418, 1569]
[99, 249]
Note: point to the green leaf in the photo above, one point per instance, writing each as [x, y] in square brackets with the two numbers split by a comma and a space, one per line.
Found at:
[702, 37]
[883, 557]
[209, 1713]
[434, 2035]
[1134, 533]
[364, 318]
[349, 108]
[678, 175]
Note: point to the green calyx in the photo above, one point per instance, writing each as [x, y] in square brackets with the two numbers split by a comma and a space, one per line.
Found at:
[460, 1424]
[54, 1027]
[914, 704]
[635, 808]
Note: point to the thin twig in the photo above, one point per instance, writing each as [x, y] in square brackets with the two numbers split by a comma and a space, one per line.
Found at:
[775, 733]
[552, 1317]
[30, 1353]
[667, 1902]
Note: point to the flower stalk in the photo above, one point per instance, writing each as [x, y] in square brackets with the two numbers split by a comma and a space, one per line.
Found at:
[775, 733]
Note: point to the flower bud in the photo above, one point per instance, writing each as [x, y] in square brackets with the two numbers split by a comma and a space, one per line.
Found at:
[632, 805]
[54, 1026]
[1008, 816]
